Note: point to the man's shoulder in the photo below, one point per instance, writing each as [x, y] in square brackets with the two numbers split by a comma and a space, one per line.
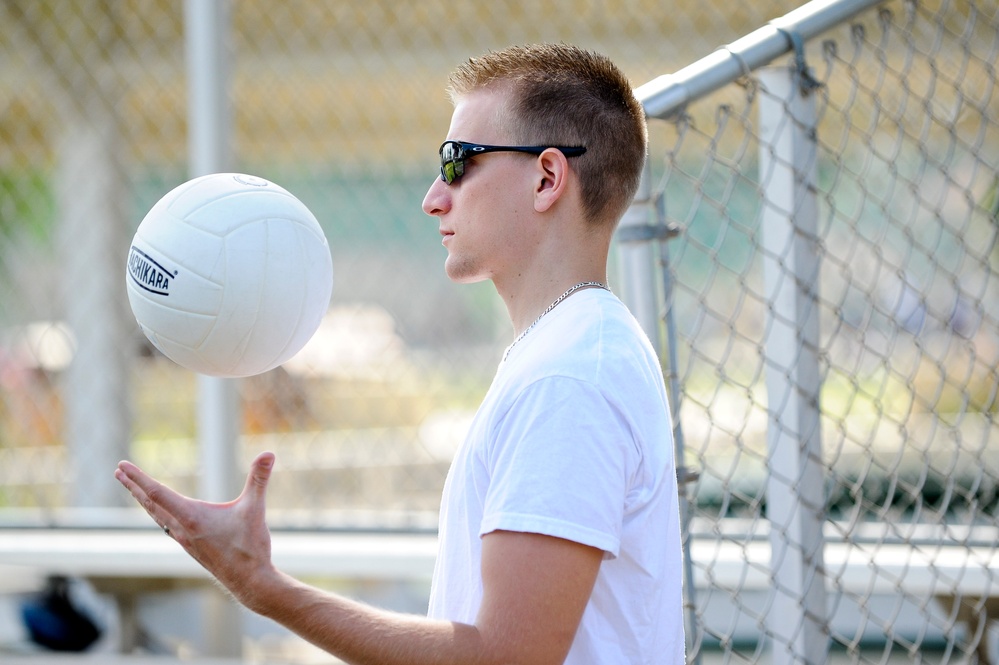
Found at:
[601, 331]
[602, 347]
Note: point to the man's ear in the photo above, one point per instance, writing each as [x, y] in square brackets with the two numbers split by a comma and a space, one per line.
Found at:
[552, 179]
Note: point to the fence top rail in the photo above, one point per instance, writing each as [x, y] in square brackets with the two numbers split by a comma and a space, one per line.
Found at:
[666, 95]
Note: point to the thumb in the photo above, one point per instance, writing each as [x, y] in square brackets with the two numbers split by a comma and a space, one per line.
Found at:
[258, 477]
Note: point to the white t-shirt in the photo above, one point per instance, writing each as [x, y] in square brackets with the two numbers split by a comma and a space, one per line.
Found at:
[574, 440]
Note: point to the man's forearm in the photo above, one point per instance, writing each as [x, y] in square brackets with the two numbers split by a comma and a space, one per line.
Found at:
[359, 633]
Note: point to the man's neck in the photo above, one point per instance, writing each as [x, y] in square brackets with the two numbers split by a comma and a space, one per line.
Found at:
[525, 305]
[569, 254]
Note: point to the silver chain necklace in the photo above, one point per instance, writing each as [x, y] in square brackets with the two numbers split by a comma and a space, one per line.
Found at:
[568, 292]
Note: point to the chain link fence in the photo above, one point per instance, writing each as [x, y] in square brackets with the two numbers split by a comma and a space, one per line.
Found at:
[342, 103]
[833, 325]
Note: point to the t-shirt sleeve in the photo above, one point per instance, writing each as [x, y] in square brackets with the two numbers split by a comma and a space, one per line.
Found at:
[560, 462]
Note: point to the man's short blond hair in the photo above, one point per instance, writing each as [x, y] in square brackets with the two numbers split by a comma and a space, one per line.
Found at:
[564, 95]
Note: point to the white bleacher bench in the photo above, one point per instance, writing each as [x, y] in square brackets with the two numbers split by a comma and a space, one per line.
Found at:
[130, 562]
[149, 553]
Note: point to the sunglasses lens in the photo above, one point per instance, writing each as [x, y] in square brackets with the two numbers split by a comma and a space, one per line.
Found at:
[452, 162]
[450, 171]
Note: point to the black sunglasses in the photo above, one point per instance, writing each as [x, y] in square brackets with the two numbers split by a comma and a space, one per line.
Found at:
[455, 153]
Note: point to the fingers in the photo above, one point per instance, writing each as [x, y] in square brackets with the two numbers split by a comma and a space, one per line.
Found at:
[229, 539]
[155, 498]
[167, 507]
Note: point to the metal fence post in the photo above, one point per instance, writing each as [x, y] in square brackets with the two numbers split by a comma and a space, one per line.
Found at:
[637, 262]
[93, 224]
[206, 25]
[791, 268]
[644, 226]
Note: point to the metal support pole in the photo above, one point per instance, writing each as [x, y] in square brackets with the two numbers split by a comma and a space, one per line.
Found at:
[93, 226]
[684, 474]
[206, 24]
[209, 127]
[643, 229]
[638, 262]
[795, 505]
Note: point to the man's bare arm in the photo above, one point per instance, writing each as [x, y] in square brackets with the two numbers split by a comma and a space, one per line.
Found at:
[535, 587]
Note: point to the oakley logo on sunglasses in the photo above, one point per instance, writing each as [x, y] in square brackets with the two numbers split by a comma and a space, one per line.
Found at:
[455, 153]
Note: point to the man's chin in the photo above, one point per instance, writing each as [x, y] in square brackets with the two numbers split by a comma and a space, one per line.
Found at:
[460, 274]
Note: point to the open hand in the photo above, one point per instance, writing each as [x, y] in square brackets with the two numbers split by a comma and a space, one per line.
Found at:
[230, 540]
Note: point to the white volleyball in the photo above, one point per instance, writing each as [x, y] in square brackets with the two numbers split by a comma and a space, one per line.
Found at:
[229, 275]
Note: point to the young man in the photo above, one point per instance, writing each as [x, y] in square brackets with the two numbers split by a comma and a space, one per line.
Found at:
[559, 527]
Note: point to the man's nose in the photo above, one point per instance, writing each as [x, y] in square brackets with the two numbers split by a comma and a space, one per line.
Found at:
[438, 199]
